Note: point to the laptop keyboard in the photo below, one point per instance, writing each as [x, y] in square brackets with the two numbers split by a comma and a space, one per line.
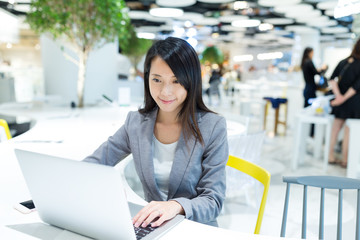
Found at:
[142, 232]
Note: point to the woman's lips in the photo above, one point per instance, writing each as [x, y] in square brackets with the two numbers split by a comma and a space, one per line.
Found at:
[166, 101]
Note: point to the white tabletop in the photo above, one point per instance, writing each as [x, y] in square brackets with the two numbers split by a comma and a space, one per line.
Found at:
[73, 134]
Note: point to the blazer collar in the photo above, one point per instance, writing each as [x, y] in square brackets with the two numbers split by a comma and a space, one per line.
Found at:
[183, 153]
[145, 139]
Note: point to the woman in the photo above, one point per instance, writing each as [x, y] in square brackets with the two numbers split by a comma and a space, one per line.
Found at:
[347, 100]
[309, 72]
[178, 145]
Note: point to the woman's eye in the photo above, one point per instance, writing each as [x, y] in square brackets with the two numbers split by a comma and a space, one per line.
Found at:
[156, 80]
[176, 81]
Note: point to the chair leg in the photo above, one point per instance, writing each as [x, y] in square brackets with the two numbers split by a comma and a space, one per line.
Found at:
[286, 204]
[276, 120]
[357, 237]
[339, 224]
[265, 114]
[303, 228]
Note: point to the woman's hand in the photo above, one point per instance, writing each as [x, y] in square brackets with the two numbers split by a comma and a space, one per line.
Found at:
[163, 211]
[339, 99]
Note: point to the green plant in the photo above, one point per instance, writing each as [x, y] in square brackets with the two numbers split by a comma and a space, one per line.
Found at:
[133, 47]
[85, 24]
[212, 55]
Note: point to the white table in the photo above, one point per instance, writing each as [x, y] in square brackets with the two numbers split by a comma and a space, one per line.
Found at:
[71, 134]
[303, 123]
[354, 149]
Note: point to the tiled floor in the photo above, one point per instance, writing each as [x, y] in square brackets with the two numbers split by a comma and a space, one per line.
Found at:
[240, 214]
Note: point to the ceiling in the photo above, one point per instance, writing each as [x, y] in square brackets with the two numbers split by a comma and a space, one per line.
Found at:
[212, 20]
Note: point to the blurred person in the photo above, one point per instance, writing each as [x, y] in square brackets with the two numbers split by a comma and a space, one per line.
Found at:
[214, 82]
[309, 72]
[347, 100]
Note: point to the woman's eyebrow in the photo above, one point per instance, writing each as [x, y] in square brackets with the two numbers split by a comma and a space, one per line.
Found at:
[158, 75]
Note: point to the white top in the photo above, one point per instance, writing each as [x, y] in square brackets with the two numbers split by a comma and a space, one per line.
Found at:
[163, 157]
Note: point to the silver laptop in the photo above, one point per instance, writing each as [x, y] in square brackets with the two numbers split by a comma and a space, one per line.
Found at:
[85, 198]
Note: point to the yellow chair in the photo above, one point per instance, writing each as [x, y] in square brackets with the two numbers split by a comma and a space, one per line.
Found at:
[260, 174]
[4, 125]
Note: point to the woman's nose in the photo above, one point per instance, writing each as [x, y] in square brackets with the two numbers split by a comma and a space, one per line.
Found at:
[166, 89]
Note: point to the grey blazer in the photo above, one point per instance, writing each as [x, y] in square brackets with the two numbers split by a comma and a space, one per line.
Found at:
[197, 178]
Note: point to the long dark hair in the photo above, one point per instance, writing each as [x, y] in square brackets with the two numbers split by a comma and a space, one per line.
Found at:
[306, 57]
[184, 62]
[356, 50]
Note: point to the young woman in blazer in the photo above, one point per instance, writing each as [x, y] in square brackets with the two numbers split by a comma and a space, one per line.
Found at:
[178, 145]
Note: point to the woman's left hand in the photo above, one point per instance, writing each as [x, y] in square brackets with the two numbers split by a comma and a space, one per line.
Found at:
[339, 99]
[163, 210]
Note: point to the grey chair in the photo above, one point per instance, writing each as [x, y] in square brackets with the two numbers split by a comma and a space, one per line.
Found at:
[323, 182]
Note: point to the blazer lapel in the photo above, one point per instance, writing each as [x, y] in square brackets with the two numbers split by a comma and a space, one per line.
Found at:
[145, 139]
[183, 153]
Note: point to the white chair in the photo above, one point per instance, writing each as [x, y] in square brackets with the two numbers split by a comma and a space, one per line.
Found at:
[245, 146]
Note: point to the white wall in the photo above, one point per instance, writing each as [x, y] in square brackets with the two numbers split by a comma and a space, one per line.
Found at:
[60, 74]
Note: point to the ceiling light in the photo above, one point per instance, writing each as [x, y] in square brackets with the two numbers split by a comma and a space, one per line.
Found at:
[166, 12]
[229, 28]
[241, 5]
[334, 30]
[327, 5]
[146, 35]
[22, 7]
[272, 3]
[243, 58]
[246, 23]
[346, 8]
[188, 24]
[133, 14]
[269, 56]
[231, 18]
[172, 3]
[279, 21]
[265, 26]
[192, 16]
[215, 1]
[286, 9]
[192, 41]
[207, 21]
[191, 32]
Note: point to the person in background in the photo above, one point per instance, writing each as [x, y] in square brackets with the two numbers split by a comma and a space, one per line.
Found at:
[309, 72]
[214, 82]
[179, 146]
[345, 84]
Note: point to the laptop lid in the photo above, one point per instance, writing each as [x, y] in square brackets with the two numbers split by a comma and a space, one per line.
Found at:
[82, 197]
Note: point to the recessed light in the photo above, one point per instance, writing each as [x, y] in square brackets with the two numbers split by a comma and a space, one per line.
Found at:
[246, 23]
[166, 12]
[172, 3]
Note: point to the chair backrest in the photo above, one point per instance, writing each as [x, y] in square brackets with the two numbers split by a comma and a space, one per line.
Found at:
[259, 174]
[4, 128]
[247, 146]
[322, 182]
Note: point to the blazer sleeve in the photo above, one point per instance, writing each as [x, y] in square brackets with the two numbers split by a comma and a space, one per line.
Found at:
[206, 206]
[116, 148]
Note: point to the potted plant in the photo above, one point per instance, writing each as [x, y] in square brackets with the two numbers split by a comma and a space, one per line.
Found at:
[84, 24]
[211, 55]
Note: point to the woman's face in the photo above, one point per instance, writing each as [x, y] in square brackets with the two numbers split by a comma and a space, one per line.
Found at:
[311, 54]
[166, 91]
